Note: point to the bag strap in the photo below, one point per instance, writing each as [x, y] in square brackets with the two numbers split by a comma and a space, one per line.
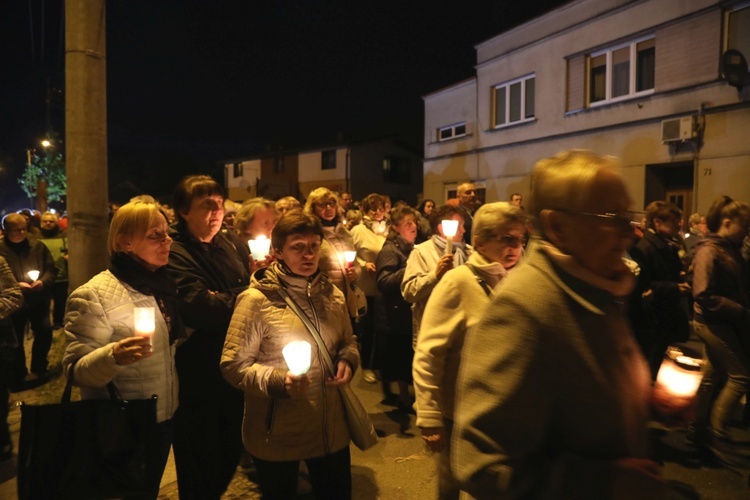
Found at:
[111, 387]
[480, 280]
[310, 327]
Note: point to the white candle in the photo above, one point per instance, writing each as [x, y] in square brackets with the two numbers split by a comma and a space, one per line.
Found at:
[349, 257]
[678, 381]
[259, 247]
[297, 355]
[34, 275]
[144, 323]
[450, 227]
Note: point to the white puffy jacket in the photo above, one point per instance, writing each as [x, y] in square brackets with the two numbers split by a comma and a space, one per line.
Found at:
[98, 315]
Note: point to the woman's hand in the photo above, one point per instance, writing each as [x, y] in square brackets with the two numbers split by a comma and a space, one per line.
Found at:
[370, 267]
[131, 350]
[296, 384]
[259, 264]
[444, 265]
[434, 438]
[350, 274]
[343, 374]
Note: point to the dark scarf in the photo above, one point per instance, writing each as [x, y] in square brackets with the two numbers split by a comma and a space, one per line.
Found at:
[153, 283]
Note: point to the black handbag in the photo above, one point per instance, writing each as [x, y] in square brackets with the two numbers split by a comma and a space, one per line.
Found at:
[96, 448]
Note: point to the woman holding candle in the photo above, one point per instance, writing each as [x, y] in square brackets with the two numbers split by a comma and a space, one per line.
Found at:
[323, 204]
[430, 260]
[253, 223]
[105, 342]
[553, 392]
[291, 418]
[722, 312]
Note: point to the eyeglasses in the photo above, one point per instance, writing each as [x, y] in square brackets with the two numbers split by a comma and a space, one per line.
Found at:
[509, 240]
[326, 204]
[624, 219]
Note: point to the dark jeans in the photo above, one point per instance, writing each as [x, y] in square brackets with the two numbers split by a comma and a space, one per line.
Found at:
[60, 297]
[37, 313]
[7, 355]
[156, 461]
[208, 444]
[330, 476]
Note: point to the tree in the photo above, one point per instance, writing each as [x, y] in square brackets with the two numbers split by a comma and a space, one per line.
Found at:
[49, 167]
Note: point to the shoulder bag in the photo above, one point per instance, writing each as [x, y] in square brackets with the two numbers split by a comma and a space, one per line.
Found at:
[361, 430]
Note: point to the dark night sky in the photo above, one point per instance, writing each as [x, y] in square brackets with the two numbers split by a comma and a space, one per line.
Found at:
[193, 82]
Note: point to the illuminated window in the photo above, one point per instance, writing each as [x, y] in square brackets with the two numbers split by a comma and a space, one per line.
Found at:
[622, 71]
[513, 102]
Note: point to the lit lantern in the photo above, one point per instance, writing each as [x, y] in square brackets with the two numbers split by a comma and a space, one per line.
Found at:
[259, 247]
[34, 275]
[349, 257]
[678, 379]
[450, 228]
[144, 323]
[297, 355]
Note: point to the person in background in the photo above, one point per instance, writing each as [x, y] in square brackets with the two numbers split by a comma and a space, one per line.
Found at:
[368, 240]
[23, 255]
[721, 295]
[256, 217]
[32, 222]
[291, 418]
[103, 345]
[353, 218]
[558, 407]
[230, 210]
[516, 199]
[429, 262]
[210, 274]
[283, 205]
[54, 239]
[11, 300]
[345, 201]
[467, 202]
[395, 352]
[697, 230]
[425, 227]
[456, 305]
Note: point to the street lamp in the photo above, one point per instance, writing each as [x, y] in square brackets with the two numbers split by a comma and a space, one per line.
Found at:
[46, 143]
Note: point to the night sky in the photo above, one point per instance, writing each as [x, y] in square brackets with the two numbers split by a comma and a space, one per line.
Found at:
[191, 83]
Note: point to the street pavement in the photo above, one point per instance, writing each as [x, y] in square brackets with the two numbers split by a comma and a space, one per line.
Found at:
[399, 466]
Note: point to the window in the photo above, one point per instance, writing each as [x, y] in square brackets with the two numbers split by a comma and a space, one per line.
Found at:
[397, 170]
[278, 165]
[737, 37]
[452, 131]
[622, 72]
[328, 159]
[513, 102]
[238, 170]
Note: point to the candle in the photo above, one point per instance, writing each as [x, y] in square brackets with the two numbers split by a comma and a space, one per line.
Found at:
[450, 227]
[34, 275]
[144, 323]
[349, 257]
[677, 382]
[297, 355]
[259, 247]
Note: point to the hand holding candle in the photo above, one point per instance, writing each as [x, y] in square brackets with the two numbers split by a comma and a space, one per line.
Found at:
[34, 275]
[259, 247]
[297, 355]
[144, 323]
[450, 227]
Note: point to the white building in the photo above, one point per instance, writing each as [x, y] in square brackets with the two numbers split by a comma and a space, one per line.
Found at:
[637, 79]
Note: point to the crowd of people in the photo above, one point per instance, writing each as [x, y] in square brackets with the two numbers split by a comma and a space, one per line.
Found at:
[525, 340]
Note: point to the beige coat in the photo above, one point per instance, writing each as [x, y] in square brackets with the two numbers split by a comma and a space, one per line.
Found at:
[368, 246]
[336, 241]
[278, 427]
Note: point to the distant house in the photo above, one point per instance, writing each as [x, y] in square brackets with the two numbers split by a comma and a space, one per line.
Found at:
[382, 165]
[637, 79]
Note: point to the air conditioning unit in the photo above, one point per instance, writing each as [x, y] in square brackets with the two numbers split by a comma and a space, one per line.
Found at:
[678, 129]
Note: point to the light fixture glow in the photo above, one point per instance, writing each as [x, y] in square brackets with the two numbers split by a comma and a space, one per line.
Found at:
[34, 275]
[259, 247]
[297, 355]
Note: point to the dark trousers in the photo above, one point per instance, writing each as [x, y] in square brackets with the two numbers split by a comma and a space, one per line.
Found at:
[7, 355]
[365, 331]
[208, 444]
[330, 476]
[156, 460]
[59, 297]
[37, 313]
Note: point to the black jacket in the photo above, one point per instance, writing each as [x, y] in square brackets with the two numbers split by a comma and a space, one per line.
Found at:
[27, 256]
[391, 265]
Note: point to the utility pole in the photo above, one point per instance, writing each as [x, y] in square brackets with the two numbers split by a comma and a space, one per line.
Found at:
[86, 137]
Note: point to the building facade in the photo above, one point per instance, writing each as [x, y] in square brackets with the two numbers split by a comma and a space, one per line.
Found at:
[637, 79]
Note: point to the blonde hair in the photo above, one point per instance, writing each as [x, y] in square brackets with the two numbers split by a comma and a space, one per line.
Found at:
[491, 217]
[244, 217]
[131, 220]
[564, 180]
[318, 195]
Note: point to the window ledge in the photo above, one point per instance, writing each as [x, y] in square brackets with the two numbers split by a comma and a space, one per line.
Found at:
[452, 139]
[520, 123]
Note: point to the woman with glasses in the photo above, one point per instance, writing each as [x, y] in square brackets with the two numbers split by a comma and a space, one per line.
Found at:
[552, 398]
[368, 238]
[394, 351]
[99, 325]
[429, 261]
[457, 303]
[323, 204]
[292, 418]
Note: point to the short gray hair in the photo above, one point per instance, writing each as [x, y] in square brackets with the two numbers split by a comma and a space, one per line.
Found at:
[491, 217]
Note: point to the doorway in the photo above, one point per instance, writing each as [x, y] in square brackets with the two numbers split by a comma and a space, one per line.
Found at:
[671, 182]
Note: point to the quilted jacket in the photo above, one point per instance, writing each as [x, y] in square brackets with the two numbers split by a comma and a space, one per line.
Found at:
[276, 426]
[99, 314]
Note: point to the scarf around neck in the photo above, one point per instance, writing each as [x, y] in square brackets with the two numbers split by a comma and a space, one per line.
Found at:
[154, 283]
[459, 249]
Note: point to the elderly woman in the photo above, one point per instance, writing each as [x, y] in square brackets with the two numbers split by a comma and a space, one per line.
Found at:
[99, 325]
[323, 204]
[290, 418]
[429, 262]
[457, 303]
[395, 352]
[553, 393]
